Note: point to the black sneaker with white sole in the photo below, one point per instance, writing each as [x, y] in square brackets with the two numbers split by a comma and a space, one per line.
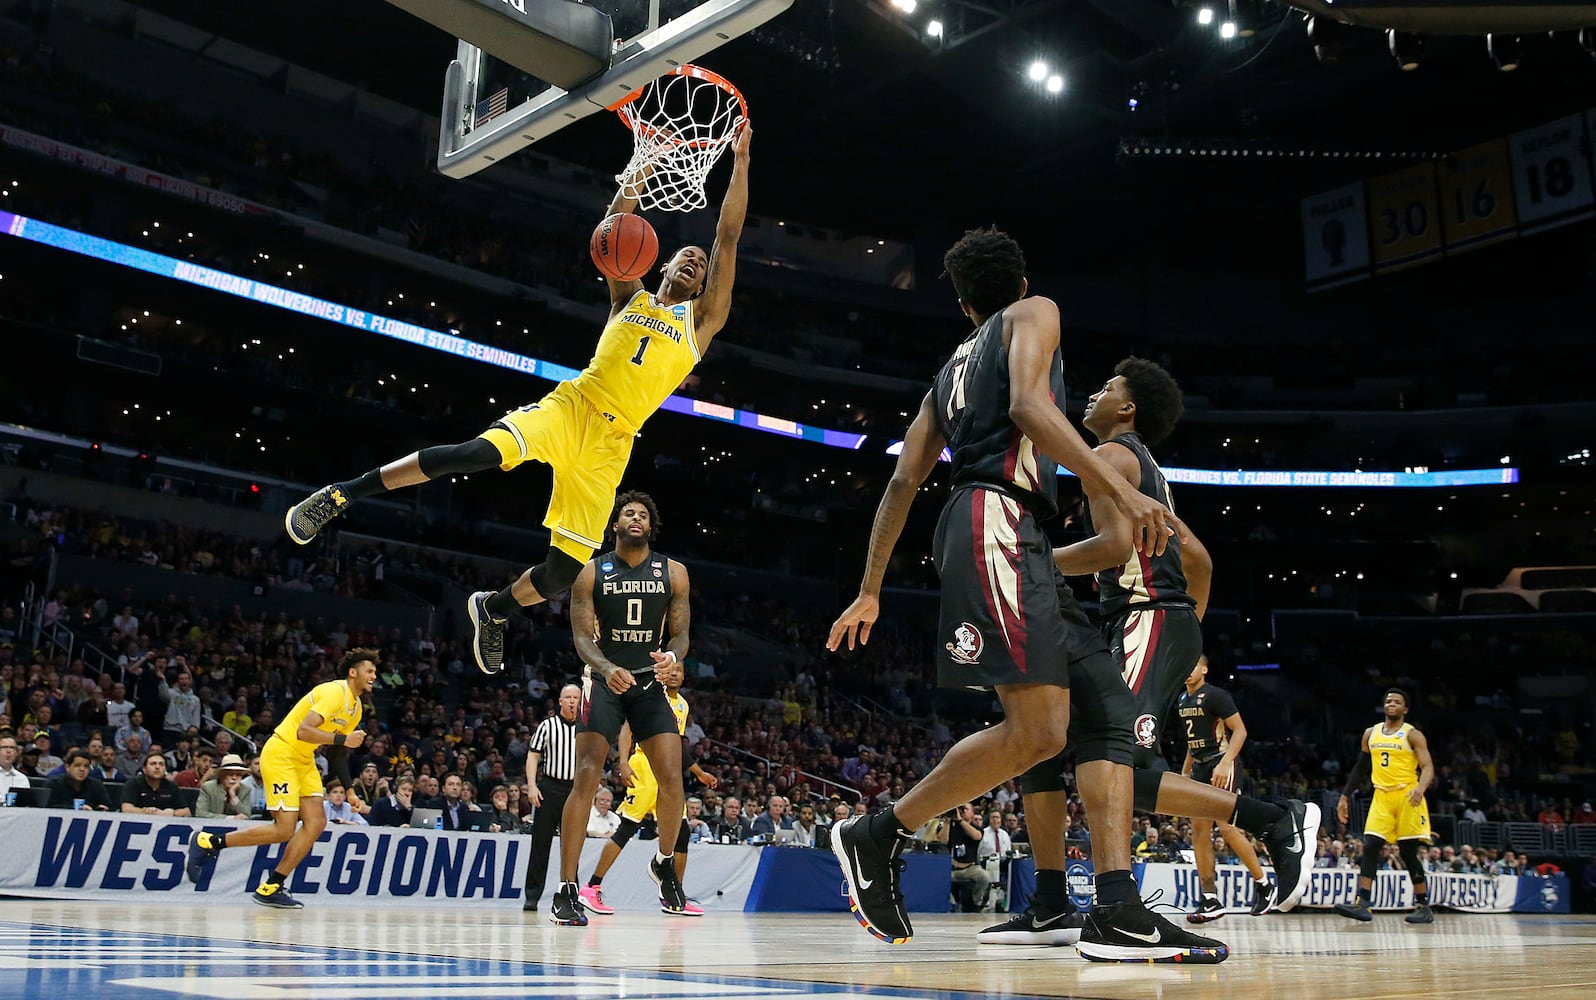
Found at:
[1034, 927]
[1263, 897]
[671, 897]
[314, 513]
[1293, 843]
[487, 636]
[567, 907]
[872, 870]
[1208, 910]
[1130, 932]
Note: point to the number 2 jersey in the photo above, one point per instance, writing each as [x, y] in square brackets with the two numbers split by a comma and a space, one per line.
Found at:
[630, 608]
[1202, 715]
[643, 354]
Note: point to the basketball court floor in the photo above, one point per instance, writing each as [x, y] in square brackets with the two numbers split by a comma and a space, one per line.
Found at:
[85, 949]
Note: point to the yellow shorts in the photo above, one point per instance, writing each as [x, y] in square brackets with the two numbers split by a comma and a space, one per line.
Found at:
[288, 777]
[644, 793]
[588, 454]
[1391, 818]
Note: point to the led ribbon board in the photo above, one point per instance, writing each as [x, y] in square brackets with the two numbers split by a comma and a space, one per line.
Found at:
[150, 262]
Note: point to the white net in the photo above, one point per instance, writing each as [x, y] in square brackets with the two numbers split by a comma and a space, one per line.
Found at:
[681, 124]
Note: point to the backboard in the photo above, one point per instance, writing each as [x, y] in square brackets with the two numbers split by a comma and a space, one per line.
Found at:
[491, 109]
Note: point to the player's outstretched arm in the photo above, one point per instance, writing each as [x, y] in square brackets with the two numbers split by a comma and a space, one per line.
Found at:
[584, 633]
[621, 292]
[922, 447]
[1033, 337]
[712, 308]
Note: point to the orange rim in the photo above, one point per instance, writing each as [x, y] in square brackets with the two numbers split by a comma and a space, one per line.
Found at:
[622, 107]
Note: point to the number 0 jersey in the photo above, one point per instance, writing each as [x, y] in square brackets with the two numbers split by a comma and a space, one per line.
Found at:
[642, 356]
[630, 605]
[1396, 765]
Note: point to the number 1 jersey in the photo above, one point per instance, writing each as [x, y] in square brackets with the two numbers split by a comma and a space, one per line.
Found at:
[642, 356]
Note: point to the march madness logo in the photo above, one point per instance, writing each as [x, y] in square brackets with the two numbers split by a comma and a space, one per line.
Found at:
[966, 645]
[1146, 731]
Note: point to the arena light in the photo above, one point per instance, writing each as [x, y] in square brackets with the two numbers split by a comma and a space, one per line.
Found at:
[1227, 30]
[1506, 51]
[1407, 49]
[907, 6]
[1055, 84]
[1329, 38]
[1205, 16]
[934, 28]
[1037, 71]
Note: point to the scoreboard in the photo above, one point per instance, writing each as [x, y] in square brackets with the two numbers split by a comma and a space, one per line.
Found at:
[1507, 187]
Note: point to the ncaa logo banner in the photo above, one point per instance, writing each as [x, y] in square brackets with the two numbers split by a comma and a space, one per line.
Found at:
[97, 856]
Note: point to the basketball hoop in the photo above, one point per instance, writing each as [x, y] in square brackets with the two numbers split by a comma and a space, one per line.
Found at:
[681, 124]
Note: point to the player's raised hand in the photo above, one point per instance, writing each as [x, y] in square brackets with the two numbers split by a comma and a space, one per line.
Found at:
[745, 135]
[1152, 524]
[855, 621]
[619, 680]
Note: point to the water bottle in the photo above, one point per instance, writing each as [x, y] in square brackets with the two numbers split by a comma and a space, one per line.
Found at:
[77, 805]
[11, 798]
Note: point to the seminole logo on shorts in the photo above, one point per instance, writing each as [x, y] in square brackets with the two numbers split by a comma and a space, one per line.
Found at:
[966, 644]
[1147, 731]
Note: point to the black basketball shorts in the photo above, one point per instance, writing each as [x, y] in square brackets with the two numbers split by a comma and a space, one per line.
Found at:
[1155, 649]
[1203, 771]
[644, 705]
[1101, 710]
[1000, 621]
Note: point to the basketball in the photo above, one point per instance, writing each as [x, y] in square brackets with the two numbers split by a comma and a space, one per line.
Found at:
[624, 247]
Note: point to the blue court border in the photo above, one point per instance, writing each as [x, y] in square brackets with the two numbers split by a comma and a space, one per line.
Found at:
[319, 959]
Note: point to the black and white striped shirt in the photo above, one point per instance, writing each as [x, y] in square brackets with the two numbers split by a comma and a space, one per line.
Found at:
[555, 741]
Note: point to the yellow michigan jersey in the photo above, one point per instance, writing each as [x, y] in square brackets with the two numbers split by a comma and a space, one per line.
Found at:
[644, 793]
[287, 763]
[1396, 770]
[584, 428]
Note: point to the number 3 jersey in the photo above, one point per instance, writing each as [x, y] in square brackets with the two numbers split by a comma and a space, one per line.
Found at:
[642, 356]
[630, 606]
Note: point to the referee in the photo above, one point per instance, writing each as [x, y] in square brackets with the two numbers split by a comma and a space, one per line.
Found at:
[555, 739]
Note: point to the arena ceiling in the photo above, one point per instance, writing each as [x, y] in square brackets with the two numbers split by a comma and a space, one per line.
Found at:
[867, 119]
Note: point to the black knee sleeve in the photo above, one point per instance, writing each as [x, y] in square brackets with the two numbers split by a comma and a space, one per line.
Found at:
[1048, 776]
[1145, 783]
[474, 455]
[624, 833]
[555, 573]
[683, 838]
[1372, 846]
[1409, 849]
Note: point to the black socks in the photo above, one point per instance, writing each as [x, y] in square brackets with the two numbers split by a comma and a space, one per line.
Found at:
[1257, 817]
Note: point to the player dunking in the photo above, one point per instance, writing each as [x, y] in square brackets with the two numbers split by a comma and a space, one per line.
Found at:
[1214, 736]
[326, 717]
[623, 605]
[1153, 606]
[583, 428]
[993, 404]
[1399, 757]
[642, 797]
